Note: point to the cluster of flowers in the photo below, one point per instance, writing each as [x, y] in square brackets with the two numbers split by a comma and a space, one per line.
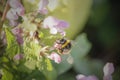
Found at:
[51, 23]
[108, 70]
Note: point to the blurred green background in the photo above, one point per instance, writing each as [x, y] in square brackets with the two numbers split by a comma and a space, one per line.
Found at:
[99, 20]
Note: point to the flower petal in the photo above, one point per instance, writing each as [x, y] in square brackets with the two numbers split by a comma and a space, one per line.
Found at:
[18, 56]
[20, 11]
[53, 4]
[107, 77]
[49, 22]
[81, 77]
[54, 56]
[92, 78]
[11, 15]
[14, 3]
[53, 30]
[62, 24]
[108, 69]
[42, 4]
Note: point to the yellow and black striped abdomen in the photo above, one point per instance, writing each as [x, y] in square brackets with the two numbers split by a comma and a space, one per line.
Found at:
[65, 45]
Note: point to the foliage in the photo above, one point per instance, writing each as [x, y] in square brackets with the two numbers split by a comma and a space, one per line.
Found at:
[32, 34]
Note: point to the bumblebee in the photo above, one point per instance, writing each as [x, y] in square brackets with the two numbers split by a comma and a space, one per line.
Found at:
[63, 46]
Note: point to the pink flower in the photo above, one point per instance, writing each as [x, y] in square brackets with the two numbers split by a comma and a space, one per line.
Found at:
[55, 25]
[17, 30]
[18, 56]
[108, 70]
[11, 15]
[20, 11]
[16, 10]
[42, 6]
[54, 56]
[14, 3]
[18, 33]
[17, 6]
[83, 77]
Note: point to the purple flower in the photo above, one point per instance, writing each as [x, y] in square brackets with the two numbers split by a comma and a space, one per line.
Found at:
[11, 15]
[42, 6]
[54, 56]
[20, 11]
[17, 7]
[16, 10]
[55, 25]
[14, 3]
[18, 33]
[18, 56]
[108, 70]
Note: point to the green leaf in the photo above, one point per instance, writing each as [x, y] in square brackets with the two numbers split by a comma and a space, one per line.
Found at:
[64, 66]
[3, 59]
[7, 75]
[35, 75]
[89, 67]
[48, 64]
[81, 47]
[12, 46]
[67, 76]
[81, 62]
[30, 64]
[50, 75]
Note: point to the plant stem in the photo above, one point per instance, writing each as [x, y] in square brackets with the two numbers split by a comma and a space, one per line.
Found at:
[4, 15]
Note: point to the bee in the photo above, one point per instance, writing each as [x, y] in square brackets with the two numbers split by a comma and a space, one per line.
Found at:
[36, 35]
[63, 46]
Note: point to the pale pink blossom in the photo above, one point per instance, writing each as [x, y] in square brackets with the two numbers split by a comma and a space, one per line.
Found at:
[108, 70]
[83, 77]
[55, 25]
[14, 3]
[15, 11]
[18, 56]
[11, 15]
[54, 56]
[17, 7]
[20, 11]
[42, 6]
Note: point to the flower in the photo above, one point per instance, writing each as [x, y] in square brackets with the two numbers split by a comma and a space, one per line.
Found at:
[12, 17]
[42, 6]
[17, 7]
[15, 11]
[108, 70]
[18, 33]
[14, 3]
[54, 56]
[83, 77]
[55, 25]
[18, 56]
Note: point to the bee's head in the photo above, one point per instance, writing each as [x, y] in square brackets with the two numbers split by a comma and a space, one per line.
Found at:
[62, 41]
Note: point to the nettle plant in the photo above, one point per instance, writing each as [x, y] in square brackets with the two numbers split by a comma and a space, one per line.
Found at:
[32, 40]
